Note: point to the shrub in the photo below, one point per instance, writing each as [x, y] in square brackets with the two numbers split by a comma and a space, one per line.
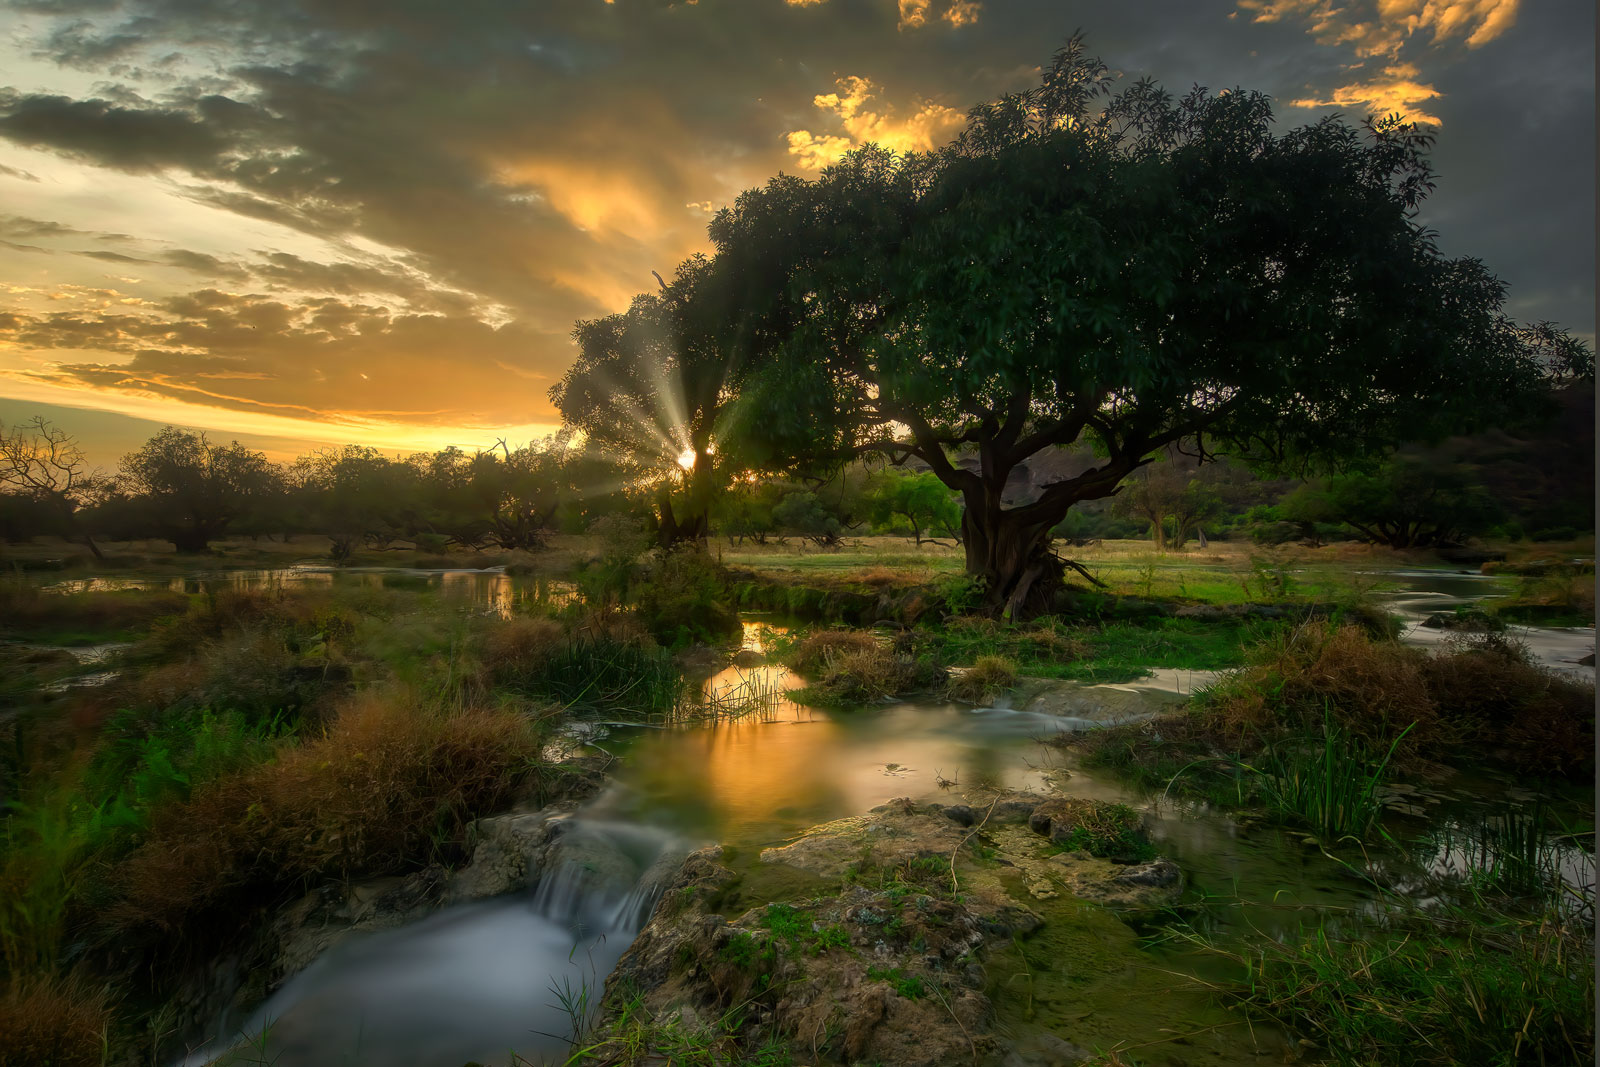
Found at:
[1373, 689]
[52, 1023]
[1479, 693]
[681, 600]
[983, 681]
[388, 786]
[813, 652]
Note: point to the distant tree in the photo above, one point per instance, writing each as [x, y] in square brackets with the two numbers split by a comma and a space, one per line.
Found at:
[1410, 503]
[191, 490]
[517, 491]
[1153, 494]
[745, 511]
[1132, 269]
[803, 514]
[362, 496]
[43, 467]
[922, 500]
[649, 388]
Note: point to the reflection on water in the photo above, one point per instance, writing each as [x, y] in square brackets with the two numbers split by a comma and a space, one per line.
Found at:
[1427, 592]
[490, 591]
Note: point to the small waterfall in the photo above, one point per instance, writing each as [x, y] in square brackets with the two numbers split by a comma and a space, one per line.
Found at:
[496, 981]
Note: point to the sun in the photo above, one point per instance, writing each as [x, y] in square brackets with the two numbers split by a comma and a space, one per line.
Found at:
[686, 459]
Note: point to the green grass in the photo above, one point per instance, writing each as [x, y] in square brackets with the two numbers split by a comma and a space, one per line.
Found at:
[635, 1036]
[910, 986]
[1329, 784]
[1113, 652]
[1474, 989]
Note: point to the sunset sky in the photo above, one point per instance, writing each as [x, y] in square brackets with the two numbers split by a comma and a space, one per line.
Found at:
[348, 220]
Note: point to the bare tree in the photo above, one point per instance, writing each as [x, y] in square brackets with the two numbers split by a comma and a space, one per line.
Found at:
[44, 463]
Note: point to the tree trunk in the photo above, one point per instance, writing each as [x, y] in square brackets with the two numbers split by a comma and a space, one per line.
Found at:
[190, 540]
[1020, 573]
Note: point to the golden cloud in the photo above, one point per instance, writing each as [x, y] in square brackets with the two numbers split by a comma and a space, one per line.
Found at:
[1395, 91]
[1382, 27]
[962, 12]
[868, 120]
[914, 13]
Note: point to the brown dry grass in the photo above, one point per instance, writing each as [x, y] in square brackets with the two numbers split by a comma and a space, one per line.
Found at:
[388, 785]
[53, 1022]
[1373, 689]
[520, 644]
[1480, 695]
[814, 654]
[983, 681]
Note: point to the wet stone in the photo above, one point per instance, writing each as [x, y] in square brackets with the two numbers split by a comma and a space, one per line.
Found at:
[961, 815]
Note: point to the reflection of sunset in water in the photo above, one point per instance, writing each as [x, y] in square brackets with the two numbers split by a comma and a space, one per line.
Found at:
[755, 783]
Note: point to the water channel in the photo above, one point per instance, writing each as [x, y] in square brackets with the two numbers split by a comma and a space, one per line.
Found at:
[495, 982]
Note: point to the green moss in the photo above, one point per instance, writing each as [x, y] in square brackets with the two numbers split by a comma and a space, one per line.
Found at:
[1085, 976]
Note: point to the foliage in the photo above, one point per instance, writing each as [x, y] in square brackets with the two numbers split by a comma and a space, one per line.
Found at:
[922, 500]
[682, 599]
[648, 390]
[1405, 503]
[192, 489]
[802, 513]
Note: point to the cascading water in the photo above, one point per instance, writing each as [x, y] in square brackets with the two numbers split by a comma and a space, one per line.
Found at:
[498, 982]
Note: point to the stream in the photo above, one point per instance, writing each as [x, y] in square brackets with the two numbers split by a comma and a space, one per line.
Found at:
[500, 982]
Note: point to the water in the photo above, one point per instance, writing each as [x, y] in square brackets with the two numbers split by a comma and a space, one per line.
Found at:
[500, 981]
[1428, 591]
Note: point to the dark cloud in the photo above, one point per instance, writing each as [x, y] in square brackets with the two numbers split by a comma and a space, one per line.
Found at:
[129, 139]
[541, 159]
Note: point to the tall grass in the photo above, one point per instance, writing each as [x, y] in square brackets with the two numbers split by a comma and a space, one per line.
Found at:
[53, 1022]
[1330, 784]
[1467, 988]
[605, 674]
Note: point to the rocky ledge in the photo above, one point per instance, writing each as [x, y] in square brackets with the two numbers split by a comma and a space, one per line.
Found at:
[867, 939]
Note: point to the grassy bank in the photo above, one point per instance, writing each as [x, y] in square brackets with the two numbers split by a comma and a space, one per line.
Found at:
[1320, 715]
[250, 746]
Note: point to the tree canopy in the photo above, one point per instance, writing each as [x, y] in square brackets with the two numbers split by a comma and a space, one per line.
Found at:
[1133, 269]
[192, 488]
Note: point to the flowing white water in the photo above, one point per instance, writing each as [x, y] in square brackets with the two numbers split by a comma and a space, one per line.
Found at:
[498, 982]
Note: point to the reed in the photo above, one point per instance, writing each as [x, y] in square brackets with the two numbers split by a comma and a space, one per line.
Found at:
[1330, 784]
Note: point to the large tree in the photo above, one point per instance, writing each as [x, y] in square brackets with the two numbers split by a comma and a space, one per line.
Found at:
[1132, 269]
[191, 489]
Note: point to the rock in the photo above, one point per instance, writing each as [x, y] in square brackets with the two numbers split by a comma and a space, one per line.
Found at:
[1161, 874]
[1096, 705]
[1046, 1050]
[508, 848]
[961, 814]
